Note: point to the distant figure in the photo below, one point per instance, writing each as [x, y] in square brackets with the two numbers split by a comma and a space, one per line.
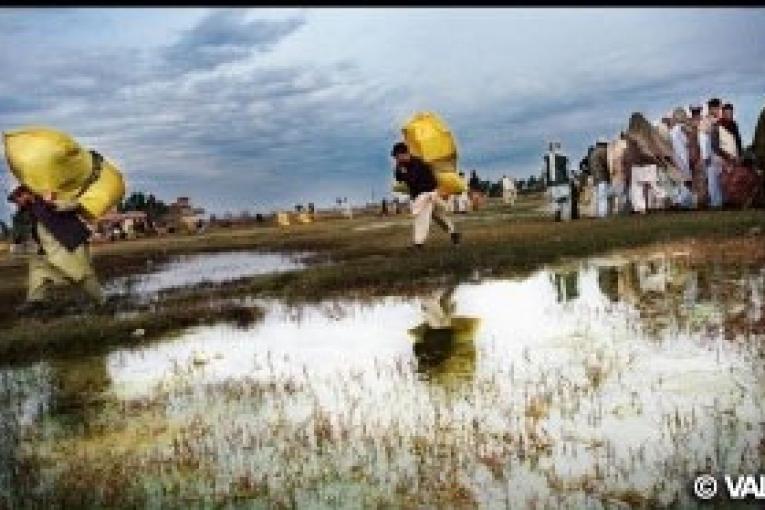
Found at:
[758, 141]
[396, 205]
[712, 159]
[680, 135]
[600, 177]
[63, 256]
[311, 209]
[695, 161]
[729, 123]
[619, 174]
[741, 185]
[475, 183]
[426, 202]
[462, 201]
[574, 186]
[384, 207]
[508, 191]
[347, 209]
[475, 191]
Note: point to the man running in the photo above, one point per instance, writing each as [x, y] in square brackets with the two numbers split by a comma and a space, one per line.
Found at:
[426, 202]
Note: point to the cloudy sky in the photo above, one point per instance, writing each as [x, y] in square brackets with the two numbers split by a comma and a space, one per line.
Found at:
[260, 108]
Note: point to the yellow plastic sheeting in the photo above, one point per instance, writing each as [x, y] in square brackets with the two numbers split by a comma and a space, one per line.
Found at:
[47, 160]
[428, 137]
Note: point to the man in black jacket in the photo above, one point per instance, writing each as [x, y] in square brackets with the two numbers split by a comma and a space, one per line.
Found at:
[729, 123]
[426, 202]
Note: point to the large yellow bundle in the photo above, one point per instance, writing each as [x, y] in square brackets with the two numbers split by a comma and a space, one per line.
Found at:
[429, 138]
[47, 160]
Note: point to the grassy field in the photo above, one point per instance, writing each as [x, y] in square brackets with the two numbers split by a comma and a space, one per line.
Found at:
[369, 257]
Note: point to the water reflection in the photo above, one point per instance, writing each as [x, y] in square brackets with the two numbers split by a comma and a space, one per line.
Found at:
[605, 383]
[79, 390]
[185, 270]
[444, 343]
[566, 284]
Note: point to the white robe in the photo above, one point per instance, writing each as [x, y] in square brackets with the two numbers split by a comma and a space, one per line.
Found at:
[712, 164]
[680, 148]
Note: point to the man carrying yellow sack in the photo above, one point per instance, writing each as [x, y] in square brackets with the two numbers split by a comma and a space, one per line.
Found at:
[426, 201]
[63, 257]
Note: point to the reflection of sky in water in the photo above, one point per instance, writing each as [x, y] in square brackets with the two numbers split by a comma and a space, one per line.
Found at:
[614, 385]
[185, 270]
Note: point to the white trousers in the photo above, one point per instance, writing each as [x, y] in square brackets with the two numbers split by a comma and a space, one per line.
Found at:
[424, 207]
[602, 191]
[643, 177]
[714, 169]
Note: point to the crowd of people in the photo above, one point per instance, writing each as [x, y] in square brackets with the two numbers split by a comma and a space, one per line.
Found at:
[690, 159]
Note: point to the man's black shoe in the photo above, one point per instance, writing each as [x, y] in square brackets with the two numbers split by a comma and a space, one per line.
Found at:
[456, 238]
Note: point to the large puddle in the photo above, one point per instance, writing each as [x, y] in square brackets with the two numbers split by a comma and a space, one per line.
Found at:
[188, 270]
[608, 384]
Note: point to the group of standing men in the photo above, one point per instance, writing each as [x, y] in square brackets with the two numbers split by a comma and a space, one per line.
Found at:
[704, 147]
[702, 151]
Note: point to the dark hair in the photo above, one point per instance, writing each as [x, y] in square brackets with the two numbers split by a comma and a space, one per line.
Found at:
[18, 191]
[399, 148]
[727, 106]
[714, 103]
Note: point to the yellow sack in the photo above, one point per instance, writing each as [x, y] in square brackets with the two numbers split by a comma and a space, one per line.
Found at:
[450, 183]
[104, 193]
[47, 160]
[429, 138]
[283, 219]
[304, 218]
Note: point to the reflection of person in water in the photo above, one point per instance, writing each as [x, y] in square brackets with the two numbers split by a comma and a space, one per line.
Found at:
[627, 283]
[566, 285]
[78, 389]
[653, 274]
[444, 343]
[608, 281]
